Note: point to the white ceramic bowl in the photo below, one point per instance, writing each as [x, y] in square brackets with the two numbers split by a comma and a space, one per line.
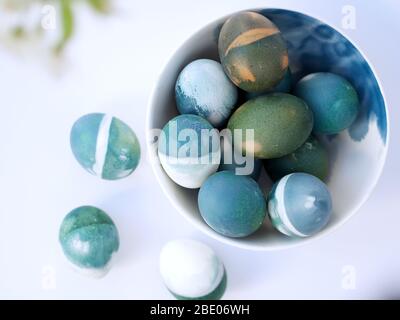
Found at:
[357, 154]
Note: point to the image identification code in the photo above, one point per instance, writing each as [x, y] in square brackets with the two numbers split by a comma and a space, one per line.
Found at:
[201, 309]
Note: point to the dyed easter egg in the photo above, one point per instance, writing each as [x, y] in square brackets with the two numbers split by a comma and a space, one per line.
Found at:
[189, 150]
[232, 160]
[299, 205]
[253, 52]
[105, 146]
[285, 86]
[89, 238]
[232, 205]
[204, 89]
[192, 271]
[333, 100]
[281, 123]
[310, 158]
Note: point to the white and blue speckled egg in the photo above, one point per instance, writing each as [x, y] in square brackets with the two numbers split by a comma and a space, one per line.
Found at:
[187, 158]
[192, 271]
[204, 89]
[299, 205]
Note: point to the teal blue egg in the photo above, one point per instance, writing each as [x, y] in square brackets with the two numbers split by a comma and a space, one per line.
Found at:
[299, 205]
[333, 100]
[189, 150]
[204, 89]
[105, 146]
[285, 86]
[232, 205]
[89, 238]
[311, 157]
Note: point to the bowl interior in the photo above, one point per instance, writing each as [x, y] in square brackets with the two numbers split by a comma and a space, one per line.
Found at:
[357, 155]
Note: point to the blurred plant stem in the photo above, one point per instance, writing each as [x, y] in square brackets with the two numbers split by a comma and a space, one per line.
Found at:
[102, 6]
[67, 24]
[23, 12]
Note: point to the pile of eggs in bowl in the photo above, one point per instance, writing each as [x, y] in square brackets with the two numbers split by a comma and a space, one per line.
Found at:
[245, 112]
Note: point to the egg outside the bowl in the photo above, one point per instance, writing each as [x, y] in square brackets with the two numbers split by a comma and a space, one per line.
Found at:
[89, 240]
[192, 271]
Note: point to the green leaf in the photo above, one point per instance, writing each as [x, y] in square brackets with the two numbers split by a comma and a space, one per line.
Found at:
[101, 6]
[67, 24]
[18, 32]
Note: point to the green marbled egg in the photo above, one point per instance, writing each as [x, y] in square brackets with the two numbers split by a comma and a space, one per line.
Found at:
[89, 238]
[280, 123]
[105, 146]
[311, 158]
[252, 52]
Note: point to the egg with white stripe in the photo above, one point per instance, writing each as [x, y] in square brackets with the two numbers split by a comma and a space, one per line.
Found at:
[299, 205]
[105, 146]
[189, 150]
[204, 89]
[192, 271]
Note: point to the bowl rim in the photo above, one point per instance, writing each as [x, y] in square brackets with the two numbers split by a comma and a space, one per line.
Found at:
[233, 241]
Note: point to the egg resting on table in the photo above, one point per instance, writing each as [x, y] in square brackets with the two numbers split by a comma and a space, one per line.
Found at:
[252, 52]
[192, 271]
[232, 160]
[333, 100]
[204, 89]
[299, 205]
[232, 205]
[281, 124]
[89, 238]
[187, 158]
[105, 146]
[310, 158]
[285, 86]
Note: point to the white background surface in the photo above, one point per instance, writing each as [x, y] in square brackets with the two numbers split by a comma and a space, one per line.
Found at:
[111, 66]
